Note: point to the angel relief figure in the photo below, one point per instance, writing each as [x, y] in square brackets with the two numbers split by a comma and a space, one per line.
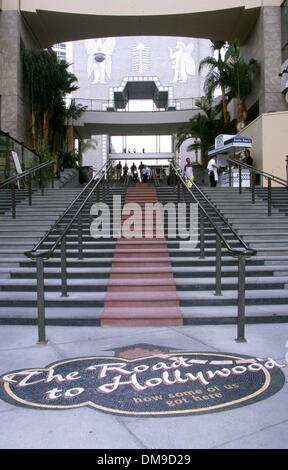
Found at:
[183, 62]
[100, 58]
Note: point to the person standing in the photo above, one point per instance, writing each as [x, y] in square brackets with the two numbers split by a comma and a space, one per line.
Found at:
[248, 159]
[141, 166]
[134, 173]
[119, 171]
[125, 170]
[213, 171]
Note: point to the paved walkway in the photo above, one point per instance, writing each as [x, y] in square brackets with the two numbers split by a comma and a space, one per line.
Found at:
[263, 424]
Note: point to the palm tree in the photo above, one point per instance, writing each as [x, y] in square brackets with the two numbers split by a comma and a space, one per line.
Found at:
[217, 76]
[204, 127]
[241, 78]
[47, 81]
[33, 87]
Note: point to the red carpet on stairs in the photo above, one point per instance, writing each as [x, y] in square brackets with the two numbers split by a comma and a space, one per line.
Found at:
[141, 289]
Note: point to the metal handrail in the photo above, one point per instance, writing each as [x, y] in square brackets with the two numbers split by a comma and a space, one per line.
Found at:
[220, 238]
[155, 177]
[26, 173]
[103, 175]
[33, 254]
[247, 251]
[253, 171]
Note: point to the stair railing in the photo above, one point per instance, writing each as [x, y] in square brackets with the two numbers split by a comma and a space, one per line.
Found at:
[241, 253]
[126, 180]
[253, 172]
[99, 182]
[28, 158]
[10, 182]
[155, 177]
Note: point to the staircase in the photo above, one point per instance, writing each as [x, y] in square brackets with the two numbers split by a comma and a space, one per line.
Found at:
[87, 278]
[279, 198]
[6, 198]
[147, 282]
[267, 273]
[17, 283]
[69, 178]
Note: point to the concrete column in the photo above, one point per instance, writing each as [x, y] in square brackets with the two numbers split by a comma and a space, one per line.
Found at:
[9, 71]
[14, 110]
[264, 45]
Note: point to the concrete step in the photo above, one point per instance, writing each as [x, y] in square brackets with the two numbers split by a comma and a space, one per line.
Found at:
[228, 315]
[144, 284]
[90, 316]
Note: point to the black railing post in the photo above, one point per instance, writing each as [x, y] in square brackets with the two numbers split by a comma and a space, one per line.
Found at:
[202, 235]
[64, 288]
[230, 175]
[178, 189]
[13, 200]
[80, 238]
[269, 197]
[253, 186]
[218, 287]
[41, 182]
[240, 179]
[41, 301]
[184, 192]
[53, 174]
[30, 189]
[241, 299]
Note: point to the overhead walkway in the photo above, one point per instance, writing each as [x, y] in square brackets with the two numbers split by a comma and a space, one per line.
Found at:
[52, 22]
[103, 117]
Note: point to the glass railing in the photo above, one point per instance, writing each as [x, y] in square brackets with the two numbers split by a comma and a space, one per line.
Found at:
[175, 104]
[15, 157]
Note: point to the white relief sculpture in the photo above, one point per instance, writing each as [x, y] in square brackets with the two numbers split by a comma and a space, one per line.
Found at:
[100, 58]
[182, 61]
[140, 59]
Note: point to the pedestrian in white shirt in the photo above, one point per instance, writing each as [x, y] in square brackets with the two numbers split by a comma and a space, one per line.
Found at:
[188, 171]
[213, 171]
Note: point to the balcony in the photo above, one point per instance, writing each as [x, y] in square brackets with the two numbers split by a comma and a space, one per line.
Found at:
[104, 117]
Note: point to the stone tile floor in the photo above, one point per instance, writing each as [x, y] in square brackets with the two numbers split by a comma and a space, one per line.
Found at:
[262, 425]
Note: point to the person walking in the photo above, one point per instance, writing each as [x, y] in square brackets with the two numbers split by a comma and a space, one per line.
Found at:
[141, 166]
[188, 171]
[144, 174]
[213, 171]
[125, 170]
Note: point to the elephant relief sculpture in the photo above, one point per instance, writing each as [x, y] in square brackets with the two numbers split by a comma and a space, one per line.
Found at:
[182, 61]
[100, 58]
